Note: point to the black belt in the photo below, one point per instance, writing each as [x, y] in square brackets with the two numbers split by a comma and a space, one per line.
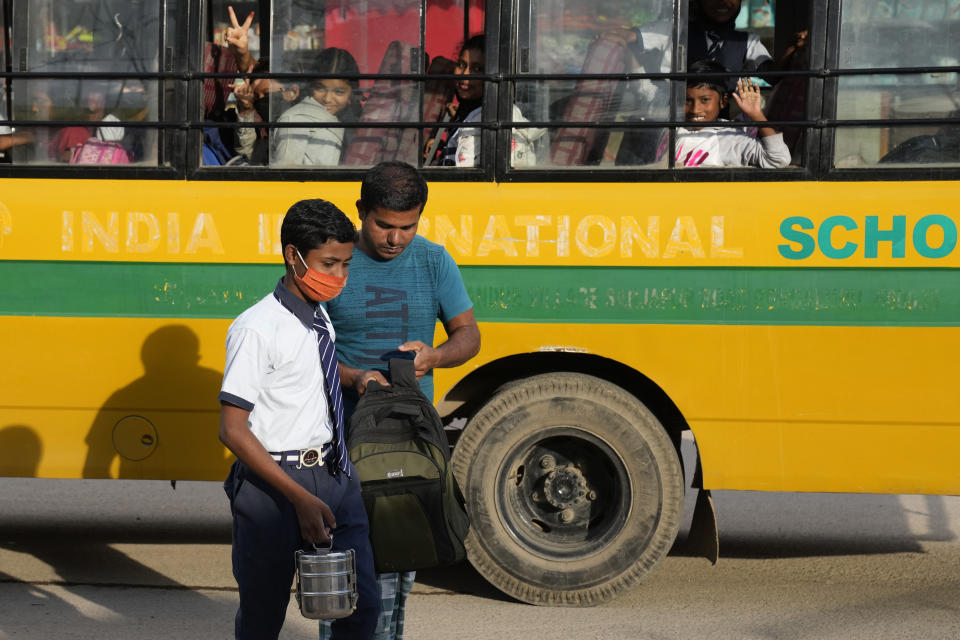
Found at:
[299, 458]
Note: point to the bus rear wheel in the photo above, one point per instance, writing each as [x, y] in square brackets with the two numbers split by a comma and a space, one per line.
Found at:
[574, 490]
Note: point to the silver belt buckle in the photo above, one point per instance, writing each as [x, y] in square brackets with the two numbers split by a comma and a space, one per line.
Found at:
[310, 458]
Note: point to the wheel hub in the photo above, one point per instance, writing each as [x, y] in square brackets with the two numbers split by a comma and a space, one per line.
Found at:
[565, 487]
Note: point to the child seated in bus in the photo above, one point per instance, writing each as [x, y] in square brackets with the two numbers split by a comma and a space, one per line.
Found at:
[328, 101]
[462, 146]
[706, 146]
[256, 100]
[712, 35]
[68, 140]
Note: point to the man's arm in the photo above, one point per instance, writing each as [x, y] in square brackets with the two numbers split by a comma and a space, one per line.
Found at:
[463, 342]
[357, 379]
[315, 517]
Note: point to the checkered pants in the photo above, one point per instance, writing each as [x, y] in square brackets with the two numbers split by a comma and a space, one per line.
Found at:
[394, 589]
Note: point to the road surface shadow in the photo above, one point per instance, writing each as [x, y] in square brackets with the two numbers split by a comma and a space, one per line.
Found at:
[461, 578]
[789, 525]
[92, 533]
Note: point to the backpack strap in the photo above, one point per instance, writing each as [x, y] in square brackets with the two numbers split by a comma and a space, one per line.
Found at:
[403, 373]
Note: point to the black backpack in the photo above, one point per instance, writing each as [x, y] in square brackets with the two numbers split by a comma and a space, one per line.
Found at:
[400, 450]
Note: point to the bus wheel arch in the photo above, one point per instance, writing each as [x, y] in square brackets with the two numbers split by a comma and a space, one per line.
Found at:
[575, 489]
[470, 393]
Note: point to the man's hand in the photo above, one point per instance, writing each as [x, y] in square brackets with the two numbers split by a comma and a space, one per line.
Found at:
[426, 358]
[315, 517]
[360, 382]
[463, 342]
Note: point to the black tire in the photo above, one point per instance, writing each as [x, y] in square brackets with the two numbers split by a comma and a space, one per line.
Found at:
[574, 490]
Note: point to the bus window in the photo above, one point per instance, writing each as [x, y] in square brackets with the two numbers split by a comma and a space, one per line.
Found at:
[312, 115]
[787, 99]
[607, 38]
[7, 135]
[756, 41]
[341, 40]
[76, 36]
[904, 34]
[587, 37]
[232, 45]
[456, 45]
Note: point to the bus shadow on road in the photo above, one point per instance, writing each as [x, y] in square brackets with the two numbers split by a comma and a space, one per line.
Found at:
[460, 579]
[69, 547]
[89, 585]
[789, 525]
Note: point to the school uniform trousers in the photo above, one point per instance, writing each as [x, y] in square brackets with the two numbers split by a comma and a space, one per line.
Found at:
[266, 535]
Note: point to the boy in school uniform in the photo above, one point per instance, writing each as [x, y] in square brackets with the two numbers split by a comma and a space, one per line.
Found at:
[701, 145]
[281, 415]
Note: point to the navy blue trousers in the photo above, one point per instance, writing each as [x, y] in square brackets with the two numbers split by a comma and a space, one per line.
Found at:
[266, 533]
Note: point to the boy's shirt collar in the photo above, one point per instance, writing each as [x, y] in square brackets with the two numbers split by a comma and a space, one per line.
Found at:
[303, 310]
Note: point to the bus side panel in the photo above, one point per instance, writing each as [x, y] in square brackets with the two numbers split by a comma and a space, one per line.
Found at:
[111, 397]
[784, 408]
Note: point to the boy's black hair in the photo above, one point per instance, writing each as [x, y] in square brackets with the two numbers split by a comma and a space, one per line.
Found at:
[311, 223]
[396, 186]
[717, 83]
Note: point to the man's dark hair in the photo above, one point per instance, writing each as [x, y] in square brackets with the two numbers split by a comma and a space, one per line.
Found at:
[310, 223]
[717, 83]
[396, 186]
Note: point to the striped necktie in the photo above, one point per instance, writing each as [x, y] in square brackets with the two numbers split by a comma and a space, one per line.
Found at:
[331, 374]
[714, 44]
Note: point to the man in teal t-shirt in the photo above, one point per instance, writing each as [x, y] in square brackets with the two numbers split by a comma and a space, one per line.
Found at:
[399, 285]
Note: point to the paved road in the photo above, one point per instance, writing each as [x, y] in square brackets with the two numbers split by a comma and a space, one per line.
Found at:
[112, 559]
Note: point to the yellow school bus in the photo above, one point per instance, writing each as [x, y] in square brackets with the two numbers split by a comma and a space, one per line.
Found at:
[800, 322]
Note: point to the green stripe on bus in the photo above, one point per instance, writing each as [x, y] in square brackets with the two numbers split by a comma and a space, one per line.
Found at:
[593, 295]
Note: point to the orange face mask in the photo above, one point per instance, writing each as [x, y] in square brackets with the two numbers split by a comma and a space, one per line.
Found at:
[316, 285]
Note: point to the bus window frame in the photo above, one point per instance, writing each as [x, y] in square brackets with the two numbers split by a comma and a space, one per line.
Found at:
[182, 138]
[483, 173]
[112, 172]
[821, 108]
[828, 172]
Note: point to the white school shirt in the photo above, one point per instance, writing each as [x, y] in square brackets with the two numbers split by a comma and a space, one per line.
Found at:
[726, 147]
[273, 370]
[522, 141]
[755, 55]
